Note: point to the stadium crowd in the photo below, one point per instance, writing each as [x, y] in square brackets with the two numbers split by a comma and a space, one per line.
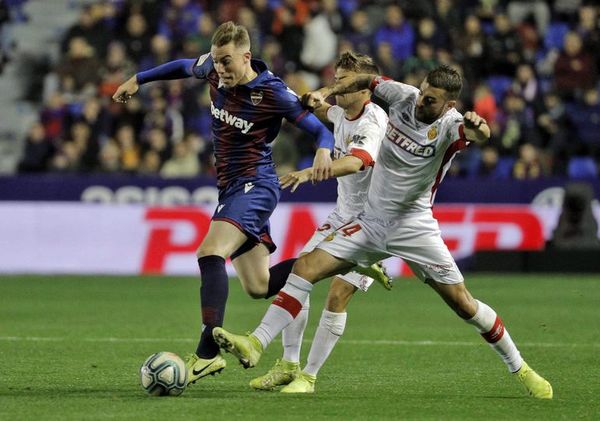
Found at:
[530, 69]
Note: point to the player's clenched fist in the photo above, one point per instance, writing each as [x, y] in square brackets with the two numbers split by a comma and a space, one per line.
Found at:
[314, 99]
[473, 120]
[126, 90]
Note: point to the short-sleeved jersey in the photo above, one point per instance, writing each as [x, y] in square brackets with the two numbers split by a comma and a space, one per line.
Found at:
[246, 119]
[414, 156]
[361, 137]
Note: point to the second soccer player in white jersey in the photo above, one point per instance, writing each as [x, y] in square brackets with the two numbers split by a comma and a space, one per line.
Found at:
[423, 135]
[359, 128]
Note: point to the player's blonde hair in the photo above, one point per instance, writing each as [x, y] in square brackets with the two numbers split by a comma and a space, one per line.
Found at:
[356, 62]
[230, 32]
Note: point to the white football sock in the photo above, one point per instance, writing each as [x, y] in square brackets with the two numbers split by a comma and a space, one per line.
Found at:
[285, 307]
[331, 327]
[490, 326]
[291, 337]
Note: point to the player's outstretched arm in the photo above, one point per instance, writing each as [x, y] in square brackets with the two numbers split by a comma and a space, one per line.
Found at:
[476, 128]
[354, 83]
[177, 69]
[340, 167]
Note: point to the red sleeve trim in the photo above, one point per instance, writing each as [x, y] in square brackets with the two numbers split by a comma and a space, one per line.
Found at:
[364, 156]
[377, 80]
[301, 116]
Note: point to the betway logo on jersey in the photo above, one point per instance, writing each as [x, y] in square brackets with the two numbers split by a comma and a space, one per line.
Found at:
[230, 119]
[406, 143]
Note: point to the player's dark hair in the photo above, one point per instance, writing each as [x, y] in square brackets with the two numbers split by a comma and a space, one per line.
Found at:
[446, 78]
[358, 63]
[228, 32]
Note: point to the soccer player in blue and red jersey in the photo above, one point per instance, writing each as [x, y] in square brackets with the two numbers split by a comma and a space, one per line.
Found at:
[247, 104]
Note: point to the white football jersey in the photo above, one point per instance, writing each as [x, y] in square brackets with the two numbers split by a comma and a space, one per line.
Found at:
[360, 137]
[414, 156]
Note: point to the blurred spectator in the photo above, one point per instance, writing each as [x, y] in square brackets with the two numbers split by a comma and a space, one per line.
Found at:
[179, 20]
[384, 57]
[503, 48]
[129, 150]
[160, 52]
[528, 164]
[136, 37]
[589, 31]
[110, 157]
[574, 69]
[472, 47]
[421, 63]
[360, 33]
[183, 163]
[115, 69]
[552, 123]
[320, 43]
[202, 37]
[489, 162]
[584, 116]
[38, 150]
[430, 33]
[151, 163]
[516, 125]
[264, 15]
[79, 68]
[53, 116]
[518, 11]
[397, 32]
[526, 84]
[288, 27]
[89, 27]
[484, 104]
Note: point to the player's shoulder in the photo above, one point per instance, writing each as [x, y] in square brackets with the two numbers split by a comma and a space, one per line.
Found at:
[374, 110]
[384, 82]
[452, 117]
[203, 65]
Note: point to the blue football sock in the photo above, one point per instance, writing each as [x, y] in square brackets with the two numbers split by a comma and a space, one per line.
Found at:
[213, 298]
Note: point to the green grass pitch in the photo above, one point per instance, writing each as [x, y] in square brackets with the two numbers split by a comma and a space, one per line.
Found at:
[71, 347]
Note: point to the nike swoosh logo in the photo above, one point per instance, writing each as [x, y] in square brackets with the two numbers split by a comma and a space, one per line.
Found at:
[195, 373]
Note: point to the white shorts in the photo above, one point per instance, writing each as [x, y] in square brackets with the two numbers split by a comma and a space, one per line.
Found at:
[415, 238]
[332, 223]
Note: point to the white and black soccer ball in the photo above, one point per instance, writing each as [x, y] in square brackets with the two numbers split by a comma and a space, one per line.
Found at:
[163, 374]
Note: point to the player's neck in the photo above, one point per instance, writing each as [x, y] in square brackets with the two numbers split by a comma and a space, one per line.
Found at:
[354, 110]
[248, 76]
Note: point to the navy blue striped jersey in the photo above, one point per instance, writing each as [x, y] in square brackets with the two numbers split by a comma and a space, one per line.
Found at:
[246, 119]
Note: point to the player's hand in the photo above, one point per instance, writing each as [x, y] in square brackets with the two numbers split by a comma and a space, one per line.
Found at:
[314, 99]
[295, 178]
[322, 165]
[126, 90]
[472, 120]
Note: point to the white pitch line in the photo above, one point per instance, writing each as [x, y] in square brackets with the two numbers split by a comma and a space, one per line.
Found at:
[343, 341]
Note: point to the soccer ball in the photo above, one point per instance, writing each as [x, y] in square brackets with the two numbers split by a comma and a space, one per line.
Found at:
[163, 374]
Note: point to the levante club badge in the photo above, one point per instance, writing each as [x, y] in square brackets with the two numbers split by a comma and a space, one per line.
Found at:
[256, 97]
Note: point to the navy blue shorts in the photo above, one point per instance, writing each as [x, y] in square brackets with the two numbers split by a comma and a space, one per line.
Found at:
[248, 205]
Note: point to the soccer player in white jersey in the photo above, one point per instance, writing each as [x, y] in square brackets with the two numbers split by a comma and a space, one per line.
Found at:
[424, 133]
[359, 128]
